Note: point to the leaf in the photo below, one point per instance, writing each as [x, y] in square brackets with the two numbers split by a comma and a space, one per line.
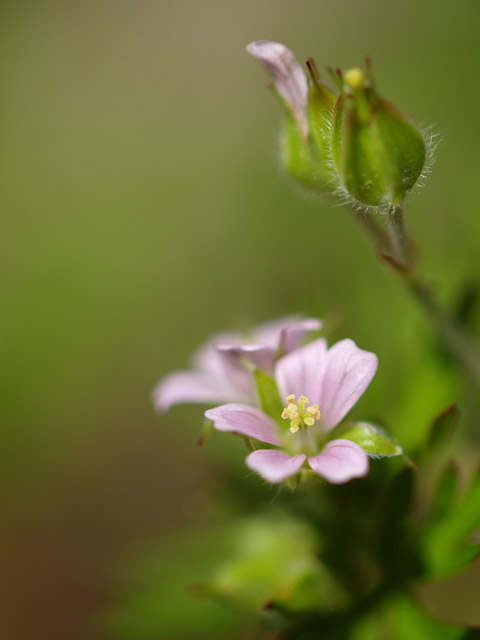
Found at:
[273, 566]
[447, 548]
[402, 618]
[268, 395]
[408, 621]
[373, 440]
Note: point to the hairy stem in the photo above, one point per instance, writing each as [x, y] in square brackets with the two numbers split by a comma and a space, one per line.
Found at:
[399, 239]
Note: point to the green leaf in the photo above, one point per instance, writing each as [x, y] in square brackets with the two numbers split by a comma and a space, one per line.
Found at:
[407, 620]
[269, 398]
[447, 547]
[372, 439]
[402, 618]
[274, 565]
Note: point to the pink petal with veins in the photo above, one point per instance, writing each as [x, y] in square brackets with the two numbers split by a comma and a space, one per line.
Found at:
[289, 78]
[245, 420]
[274, 466]
[340, 461]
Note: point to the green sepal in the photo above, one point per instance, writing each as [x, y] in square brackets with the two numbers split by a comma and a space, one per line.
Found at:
[404, 145]
[321, 103]
[205, 432]
[268, 395]
[363, 167]
[378, 153]
[373, 440]
[300, 160]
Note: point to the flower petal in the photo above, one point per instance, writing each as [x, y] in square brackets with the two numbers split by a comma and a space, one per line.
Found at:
[230, 372]
[270, 333]
[293, 335]
[348, 373]
[340, 461]
[207, 358]
[245, 420]
[260, 356]
[301, 372]
[274, 466]
[188, 386]
[289, 77]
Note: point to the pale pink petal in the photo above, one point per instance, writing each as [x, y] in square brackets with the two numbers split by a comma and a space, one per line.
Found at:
[207, 358]
[274, 466]
[259, 355]
[270, 333]
[340, 461]
[187, 386]
[225, 367]
[244, 420]
[301, 371]
[348, 373]
[293, 335]
[289, 77]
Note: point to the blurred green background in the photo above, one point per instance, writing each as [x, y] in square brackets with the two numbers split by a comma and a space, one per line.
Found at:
[143, 210]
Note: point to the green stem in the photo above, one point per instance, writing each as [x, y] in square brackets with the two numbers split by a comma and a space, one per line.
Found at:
[399, 239]
[374, 230]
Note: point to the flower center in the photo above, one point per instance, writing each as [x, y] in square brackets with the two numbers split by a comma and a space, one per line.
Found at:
[299, 413]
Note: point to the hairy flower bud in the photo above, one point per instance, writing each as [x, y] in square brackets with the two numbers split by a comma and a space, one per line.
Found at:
[378, 154]
[352, 142]
[309, 110]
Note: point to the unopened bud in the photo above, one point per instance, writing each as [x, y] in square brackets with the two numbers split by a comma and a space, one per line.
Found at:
[378, 153]
[352, 142]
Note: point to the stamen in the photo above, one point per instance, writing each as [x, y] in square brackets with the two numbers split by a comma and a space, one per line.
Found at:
[299, 413]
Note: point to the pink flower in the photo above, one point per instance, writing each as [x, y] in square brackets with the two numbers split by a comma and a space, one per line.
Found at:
[221, 367]
[319, 386]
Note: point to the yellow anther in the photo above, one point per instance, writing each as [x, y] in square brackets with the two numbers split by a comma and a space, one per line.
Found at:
[299, 414]
[313, 411]
[295, 425]
[355, 78]
[290, 412]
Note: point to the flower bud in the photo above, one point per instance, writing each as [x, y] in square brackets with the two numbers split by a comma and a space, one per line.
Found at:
[352, 143]
[309, 110]
[378, 154]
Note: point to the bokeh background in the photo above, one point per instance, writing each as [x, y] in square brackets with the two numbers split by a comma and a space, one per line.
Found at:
[142, 209]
